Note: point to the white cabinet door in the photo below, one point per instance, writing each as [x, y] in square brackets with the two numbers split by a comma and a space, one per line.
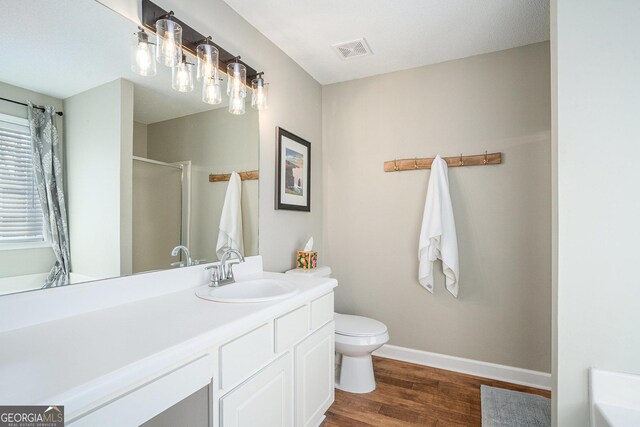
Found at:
[314, 373]
[264, 400]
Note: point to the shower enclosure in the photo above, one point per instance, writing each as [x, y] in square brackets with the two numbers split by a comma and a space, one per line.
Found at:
[160, 212]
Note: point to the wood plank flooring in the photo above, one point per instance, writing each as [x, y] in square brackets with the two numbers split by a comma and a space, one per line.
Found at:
[415, 395]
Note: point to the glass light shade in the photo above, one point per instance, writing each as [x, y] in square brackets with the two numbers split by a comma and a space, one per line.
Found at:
[182, 76]
[260, 94]
[211, 91]
[207, 66]
[143, 56]
[236, 104]
[168, 42]
[237, 79]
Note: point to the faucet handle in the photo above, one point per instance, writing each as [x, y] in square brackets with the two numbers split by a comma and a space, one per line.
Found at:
[230, 264]
[216, 275]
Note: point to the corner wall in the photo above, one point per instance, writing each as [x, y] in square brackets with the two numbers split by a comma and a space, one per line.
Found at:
[597, 58]
[99, 135]
[496, 102]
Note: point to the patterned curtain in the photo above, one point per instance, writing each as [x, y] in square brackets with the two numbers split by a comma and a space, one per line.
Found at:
[48, 170]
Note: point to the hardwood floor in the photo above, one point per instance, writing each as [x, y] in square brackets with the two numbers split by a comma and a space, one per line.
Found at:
[415, 395]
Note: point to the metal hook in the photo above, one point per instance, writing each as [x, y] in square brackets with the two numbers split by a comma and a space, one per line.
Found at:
[395, 165]
[486, 160]
[461, 161]
[415, 162]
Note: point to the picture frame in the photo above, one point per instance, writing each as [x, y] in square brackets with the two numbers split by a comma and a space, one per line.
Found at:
[293, 172]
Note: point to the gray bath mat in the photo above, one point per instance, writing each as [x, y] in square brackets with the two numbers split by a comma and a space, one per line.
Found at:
[506, 408]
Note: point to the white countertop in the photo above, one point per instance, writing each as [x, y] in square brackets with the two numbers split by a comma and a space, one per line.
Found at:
[78, 360]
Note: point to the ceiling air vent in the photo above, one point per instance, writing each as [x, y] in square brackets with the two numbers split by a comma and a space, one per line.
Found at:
[353, 49]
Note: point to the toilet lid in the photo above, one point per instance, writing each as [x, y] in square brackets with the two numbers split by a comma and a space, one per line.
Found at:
[358, 326]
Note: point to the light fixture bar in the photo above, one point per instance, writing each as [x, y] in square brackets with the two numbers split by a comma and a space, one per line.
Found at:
[151, 12]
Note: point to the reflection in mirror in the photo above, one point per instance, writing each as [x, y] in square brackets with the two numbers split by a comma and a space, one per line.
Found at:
[173, 201]
[127, 179]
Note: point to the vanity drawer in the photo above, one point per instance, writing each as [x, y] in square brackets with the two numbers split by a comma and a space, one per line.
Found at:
[243, 356]
[291, 328]
[321, 311]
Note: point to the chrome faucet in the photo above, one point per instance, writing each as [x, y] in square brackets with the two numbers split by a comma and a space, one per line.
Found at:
[177, 250]
[225, 268]
[222, 273]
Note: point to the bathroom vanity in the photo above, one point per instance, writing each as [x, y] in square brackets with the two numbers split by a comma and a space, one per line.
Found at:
[118, 357]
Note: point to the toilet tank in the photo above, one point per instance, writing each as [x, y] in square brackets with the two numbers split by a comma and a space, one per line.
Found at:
[320, 271]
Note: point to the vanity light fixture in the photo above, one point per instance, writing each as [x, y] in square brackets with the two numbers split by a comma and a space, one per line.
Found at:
[260, 95]
[168, 40]
[236, 86]
[207, 65]
[211, 91]
[175, 40]
[236, 104]
[237, 78]
[143, 55]
[182, 76]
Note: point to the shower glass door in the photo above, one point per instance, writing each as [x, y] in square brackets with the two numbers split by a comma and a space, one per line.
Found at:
[157, 214]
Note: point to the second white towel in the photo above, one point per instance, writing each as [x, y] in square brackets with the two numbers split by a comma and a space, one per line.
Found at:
[230, 234]
[438, 238]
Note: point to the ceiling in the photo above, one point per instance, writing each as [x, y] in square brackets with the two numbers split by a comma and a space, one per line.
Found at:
[64, 47]
[401, 33]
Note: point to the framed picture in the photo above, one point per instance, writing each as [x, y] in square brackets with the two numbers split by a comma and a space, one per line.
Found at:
[293, 175]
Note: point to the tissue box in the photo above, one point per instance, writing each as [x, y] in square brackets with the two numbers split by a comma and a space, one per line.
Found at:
[306, 260]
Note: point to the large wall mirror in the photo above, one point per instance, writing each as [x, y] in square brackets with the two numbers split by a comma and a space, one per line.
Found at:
[132, 154]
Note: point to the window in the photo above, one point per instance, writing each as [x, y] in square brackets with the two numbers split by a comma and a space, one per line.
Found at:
[21, 219]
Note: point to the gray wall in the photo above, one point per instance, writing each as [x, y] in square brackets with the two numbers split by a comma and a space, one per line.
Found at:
[496, 102]
[99, 134]
[215, 142]
[139, 139]
[40, 260]
[596, 56]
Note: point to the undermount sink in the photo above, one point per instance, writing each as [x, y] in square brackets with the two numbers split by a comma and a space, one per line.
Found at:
[259, 290]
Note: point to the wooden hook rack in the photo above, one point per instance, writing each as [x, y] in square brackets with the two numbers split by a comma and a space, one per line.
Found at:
[425, 163]
[245, 176]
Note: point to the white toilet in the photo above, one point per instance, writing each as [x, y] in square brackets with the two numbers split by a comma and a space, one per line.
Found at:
[356, 338]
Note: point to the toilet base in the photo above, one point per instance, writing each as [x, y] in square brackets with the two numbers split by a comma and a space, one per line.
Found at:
[356, 374]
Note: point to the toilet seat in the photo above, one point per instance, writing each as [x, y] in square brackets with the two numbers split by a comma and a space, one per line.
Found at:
[358, 326]
[362, 342]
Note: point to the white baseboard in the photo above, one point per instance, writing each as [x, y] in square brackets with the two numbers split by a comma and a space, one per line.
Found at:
[493, 371]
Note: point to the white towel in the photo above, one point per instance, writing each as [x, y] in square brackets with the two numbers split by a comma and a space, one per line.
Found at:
[438, 235]
[230, 234]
